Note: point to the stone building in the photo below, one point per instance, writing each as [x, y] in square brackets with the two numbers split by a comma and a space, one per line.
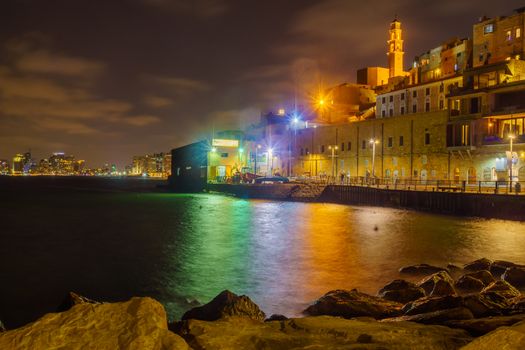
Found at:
[449, 117]
[498, 39]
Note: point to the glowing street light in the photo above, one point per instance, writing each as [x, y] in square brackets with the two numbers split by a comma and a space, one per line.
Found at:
[511, 138]
[373, 142]
[214, 149]
[270, 159]
[333, 149]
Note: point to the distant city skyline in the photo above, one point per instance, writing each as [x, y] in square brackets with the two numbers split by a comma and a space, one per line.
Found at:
[106, 81]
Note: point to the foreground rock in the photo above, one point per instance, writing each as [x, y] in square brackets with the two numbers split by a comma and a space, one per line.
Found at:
[498, 267]
[226, 304]
[478, 265]
[321, 332]
[504, 338]
[436, 317]
[515, 276]
[73, 299]
[481, 326]
[352, 303]
[500, 290]
[421, 269]
[401, 291]
[431, 304]
[137, 324]
[468, 284]
[438, 284]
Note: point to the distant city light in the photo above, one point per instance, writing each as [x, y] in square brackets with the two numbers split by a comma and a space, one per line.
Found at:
[281, 111]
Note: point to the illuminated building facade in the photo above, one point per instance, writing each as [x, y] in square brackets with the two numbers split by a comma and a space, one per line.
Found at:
[449, 117]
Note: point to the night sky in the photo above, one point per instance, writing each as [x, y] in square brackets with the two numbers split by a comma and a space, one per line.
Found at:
[105, 80]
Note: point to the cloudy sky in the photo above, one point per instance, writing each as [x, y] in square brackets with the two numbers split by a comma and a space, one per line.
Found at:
[105, 80]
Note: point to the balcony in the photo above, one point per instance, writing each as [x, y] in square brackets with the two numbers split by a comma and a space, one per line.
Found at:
[496, 140]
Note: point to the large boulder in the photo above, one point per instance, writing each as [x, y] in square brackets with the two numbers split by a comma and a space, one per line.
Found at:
[226, 304]
[431, 304]
[322, 332]
[481, 326]
[515, 276]
[352, 303]
[518, 305]
[512, 337]
[421, 269]
[482, 306]
[498, 267]
[477, 265]
[438, 284]
[483, 275]
[401, 291]
[73, 299]
[435, 317]
[138, 324]
[498, 290]
[468, 284]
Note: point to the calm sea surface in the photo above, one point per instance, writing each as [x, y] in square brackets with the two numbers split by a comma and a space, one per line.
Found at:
[114, 239]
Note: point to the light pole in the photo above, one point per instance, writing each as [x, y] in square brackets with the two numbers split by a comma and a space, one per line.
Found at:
[270, 159]
[374, 142]
[511, 138]
[256, 155]
[333, 149]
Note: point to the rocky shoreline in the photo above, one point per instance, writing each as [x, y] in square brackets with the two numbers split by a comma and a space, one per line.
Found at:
[475, 306]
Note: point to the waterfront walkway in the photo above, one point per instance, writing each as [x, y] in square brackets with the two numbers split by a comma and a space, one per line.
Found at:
[487, 187]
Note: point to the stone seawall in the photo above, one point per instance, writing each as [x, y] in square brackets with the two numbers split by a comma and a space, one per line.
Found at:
[509, 207]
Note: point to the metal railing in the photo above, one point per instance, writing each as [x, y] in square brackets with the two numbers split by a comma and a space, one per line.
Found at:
[490, 187]
[494, 187]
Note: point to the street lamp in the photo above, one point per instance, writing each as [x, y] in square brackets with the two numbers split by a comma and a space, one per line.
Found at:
[270, 159]
[256, 155]
[511, 138]
[333, 149]
[373, 142]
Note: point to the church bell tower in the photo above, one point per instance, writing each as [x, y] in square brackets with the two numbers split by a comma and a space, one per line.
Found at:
[395, 49]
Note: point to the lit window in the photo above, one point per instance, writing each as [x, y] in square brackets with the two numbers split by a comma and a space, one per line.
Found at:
[518, 32]
[508, 35]
[489, 28]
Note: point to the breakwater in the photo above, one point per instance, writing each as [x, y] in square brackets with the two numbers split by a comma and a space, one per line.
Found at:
[509, 207]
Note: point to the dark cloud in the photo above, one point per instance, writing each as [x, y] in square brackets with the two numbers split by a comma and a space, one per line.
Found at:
[199, 8]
